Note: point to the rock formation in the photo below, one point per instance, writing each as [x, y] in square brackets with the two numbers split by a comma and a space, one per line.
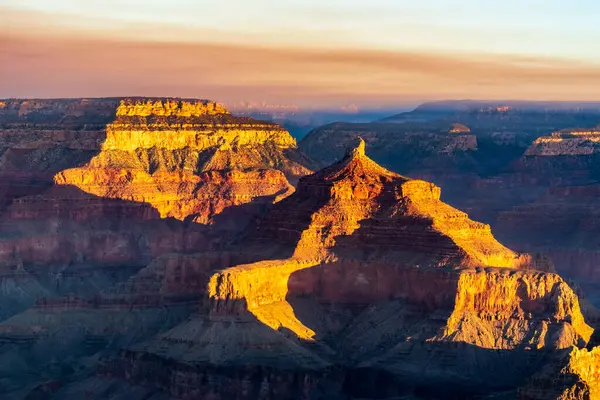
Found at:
[95, 189]
[558, 189]
[532, 177]
[567, 143]
[173, 259]
[189, 159]
[360, 273]
[367, 219]
[574, 376]
[425, 144]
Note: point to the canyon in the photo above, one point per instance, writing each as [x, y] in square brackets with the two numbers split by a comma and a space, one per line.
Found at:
[166, 249]
[86, 206]
[531, 173]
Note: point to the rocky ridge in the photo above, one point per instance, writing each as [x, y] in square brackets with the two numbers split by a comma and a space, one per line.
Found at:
[566, 143]
[98, 188]
[533, 177]
[362, 283]
[369, 274]
[328, 143]
[189, 160]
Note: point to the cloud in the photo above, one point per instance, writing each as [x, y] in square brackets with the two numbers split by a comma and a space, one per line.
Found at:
[53, 63]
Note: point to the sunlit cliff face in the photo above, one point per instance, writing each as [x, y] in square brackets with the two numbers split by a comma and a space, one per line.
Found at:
[188, 159]
[365, 234]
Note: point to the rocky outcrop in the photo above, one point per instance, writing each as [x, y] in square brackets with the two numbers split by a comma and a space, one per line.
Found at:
[95, 189]
[189, 159]
[575, 376]
[106, 201]
[559, 219]
[426, 144]
[356, 205]
[532, 176]
[364, 272]
[362, 283]
[441, 138]
[570, 143]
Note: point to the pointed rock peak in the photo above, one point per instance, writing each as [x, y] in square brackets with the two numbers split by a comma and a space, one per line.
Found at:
[358, 150]
[356, 165]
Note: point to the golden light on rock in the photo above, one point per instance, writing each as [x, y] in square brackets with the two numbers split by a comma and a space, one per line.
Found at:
[417, 229]
[179, 157]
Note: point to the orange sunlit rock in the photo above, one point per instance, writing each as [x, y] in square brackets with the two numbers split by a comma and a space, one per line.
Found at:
[575, 376]
[363, 224]
[189, 159]
[568, 143]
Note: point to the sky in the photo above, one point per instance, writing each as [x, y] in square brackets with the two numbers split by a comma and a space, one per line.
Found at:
[326, 53]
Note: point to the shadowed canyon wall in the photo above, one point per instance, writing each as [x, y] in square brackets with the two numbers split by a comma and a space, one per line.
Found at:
[176, 260]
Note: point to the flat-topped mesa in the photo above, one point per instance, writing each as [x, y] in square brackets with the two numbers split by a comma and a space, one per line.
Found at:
[190, 159]
[129, 137]
[196, 124]
[168, 108]
[566, 143]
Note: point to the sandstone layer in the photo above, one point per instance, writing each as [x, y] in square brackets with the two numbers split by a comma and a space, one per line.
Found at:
[189, 159]
[94, 189]
[364, 273]
[532, 176]
[360, 284]
[567, 143]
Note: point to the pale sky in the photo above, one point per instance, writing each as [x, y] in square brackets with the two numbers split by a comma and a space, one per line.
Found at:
[327, 52]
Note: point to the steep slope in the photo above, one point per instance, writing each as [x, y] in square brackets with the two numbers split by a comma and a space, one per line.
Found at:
[574, 376]
[430, 150]
[356, 201]
[561, 219]
[364, 273]
[39, 138]
[94, 189]
[532, 176]
[189, 159]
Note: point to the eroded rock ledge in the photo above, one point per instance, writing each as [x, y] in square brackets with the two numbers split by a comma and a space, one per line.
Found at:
[364, 269]
[189, 159]
[574, 376]
[566, 143]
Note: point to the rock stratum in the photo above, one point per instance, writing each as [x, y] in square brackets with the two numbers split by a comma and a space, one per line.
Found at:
[569, 143]
[95, 189]
[533, 175]
[183, 269]
[361, 284]
[189, 160]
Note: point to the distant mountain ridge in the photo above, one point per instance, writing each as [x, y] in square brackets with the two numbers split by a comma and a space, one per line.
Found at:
[530, 105]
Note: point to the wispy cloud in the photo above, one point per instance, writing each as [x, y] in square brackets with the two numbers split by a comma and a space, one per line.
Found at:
[53, 63]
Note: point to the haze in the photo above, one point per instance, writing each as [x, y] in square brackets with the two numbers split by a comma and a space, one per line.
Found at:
[302, 52]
